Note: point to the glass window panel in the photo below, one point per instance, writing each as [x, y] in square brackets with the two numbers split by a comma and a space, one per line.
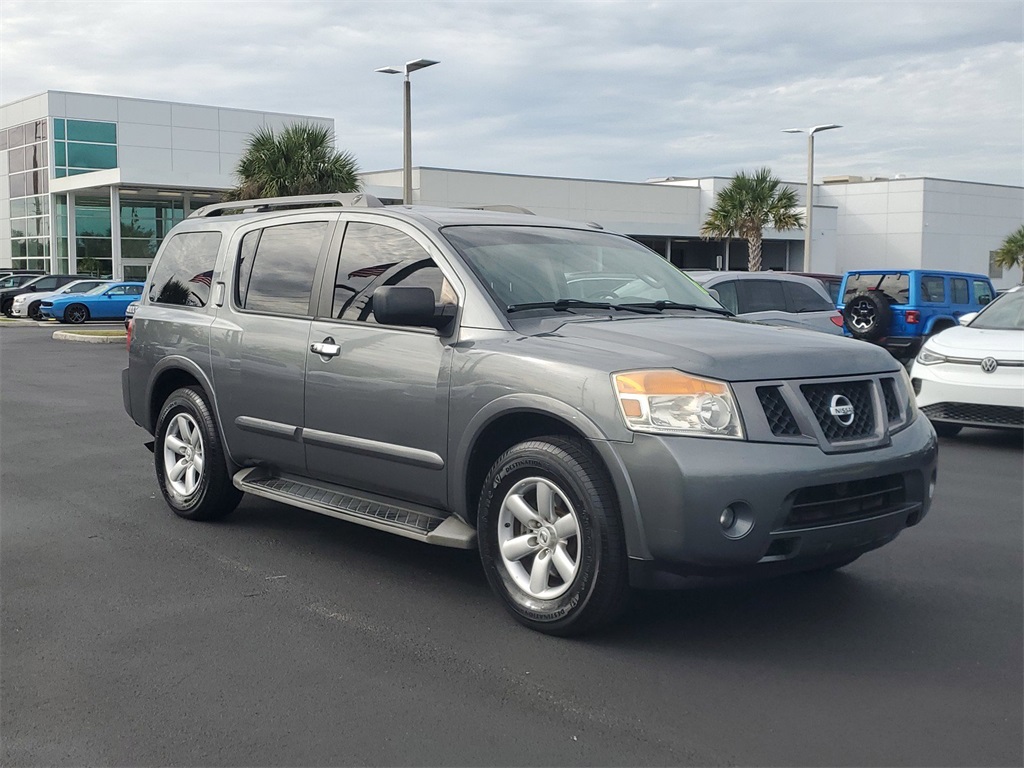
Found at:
[135, 272]
[37, 206]
[138, 249]
[40, 130]
[933, 289]
[19, 208]
[761, 296]
[16, 136]
[18, 249]
[3, 139]
[982, 292]
[36, 156]
[87, 265]
[60, 153]
[58, 128]
[184, 273]
[87, 130]
[63, 266]
[76, 171]
[16, 160]
[18, 185]
[18, 227]
[92, 155]
[282, 272]
[37, 249]
[961, 295]
[368, 251]
[60, 173]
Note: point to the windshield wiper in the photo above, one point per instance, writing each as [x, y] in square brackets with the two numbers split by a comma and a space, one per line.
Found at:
[567, 305]
[662, 304]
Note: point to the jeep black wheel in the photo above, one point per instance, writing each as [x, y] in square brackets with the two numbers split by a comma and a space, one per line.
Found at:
[76, 314]
[190, 465]
[867, 315]
[551, 538]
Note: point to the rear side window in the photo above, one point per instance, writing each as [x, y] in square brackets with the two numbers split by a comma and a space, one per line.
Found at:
[184, 272]
[47, 284]
[958, 287]
[279, 272]
[933, 289]
[761, 296]
[727, 295]
[803, 298]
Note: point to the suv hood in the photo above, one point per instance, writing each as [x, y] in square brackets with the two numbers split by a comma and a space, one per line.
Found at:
[723, 348]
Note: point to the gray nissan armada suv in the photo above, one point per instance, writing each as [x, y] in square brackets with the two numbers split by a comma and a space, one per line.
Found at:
[559, 397]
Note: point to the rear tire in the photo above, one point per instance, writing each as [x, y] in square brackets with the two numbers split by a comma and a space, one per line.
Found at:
[191, 468]
[8, 308]
[551, 538]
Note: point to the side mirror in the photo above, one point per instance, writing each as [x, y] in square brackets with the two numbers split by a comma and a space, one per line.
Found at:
[966, 319]
[410, 306]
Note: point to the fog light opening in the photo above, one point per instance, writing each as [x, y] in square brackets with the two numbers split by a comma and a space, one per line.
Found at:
[728, 518]
[736, 520]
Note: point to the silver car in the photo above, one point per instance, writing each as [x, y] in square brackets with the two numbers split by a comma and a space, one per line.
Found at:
[776, 298]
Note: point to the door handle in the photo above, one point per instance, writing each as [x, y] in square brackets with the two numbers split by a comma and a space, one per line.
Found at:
[326, 348]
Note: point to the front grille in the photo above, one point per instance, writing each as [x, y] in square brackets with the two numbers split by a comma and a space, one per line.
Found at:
[892, 403]
[820, 396]
[995, 415]
[780, 418]
[846, 502]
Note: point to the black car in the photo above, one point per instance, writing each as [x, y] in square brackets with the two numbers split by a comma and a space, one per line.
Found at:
[32, 284]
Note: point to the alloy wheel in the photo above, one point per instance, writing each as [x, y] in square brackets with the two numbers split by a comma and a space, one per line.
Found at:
[183, 454]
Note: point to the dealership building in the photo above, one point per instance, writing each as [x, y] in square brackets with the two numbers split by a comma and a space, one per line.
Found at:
[91, 184]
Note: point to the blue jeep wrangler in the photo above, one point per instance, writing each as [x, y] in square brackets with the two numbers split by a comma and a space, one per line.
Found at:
[899, 309]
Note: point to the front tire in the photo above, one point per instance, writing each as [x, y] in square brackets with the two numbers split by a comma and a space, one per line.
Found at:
[8, 308]
[76, 314]
[551, 538]
[191, 469]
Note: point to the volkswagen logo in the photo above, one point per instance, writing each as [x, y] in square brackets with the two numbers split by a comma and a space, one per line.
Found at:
[841, 409]
[989, 365]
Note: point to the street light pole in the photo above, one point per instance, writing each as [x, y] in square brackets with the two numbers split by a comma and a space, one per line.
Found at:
[808, 231]
[410, 67]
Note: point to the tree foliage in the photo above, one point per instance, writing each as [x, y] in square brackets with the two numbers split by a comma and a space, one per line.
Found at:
[1011, 252]
[749, 204]
[299, 160]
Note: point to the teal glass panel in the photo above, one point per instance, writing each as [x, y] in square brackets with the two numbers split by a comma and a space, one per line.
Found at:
[58, 128]
[91, 156]
[92, 217]
[76, 171]
[60, 153]
[87, 130]
[60, 173]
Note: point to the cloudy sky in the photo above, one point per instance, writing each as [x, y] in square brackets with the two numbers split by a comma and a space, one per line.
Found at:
[611, 90]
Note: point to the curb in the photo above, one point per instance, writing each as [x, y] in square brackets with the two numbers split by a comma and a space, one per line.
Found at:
[72, 336]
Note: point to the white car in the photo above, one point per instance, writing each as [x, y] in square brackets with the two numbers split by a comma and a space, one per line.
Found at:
[973, 375]
[27, 304]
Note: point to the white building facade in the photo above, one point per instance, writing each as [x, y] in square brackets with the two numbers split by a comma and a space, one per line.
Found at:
[90, 184]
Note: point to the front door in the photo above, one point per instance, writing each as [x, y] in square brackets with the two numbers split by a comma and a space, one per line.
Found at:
[377, 397]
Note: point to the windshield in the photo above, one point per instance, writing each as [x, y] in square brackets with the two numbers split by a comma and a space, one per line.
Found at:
[567, 269]
[1006, 313]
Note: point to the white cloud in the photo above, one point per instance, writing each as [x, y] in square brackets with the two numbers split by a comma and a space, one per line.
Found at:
[621, 90]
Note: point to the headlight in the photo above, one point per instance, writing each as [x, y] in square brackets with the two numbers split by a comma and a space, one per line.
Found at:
[927, 357]
[908, 389]
[670, 402]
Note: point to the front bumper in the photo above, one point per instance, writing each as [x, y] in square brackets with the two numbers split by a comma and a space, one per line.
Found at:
[961, 393]
[797, 504]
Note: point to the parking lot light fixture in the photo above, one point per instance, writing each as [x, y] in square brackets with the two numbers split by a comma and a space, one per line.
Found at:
[410, 67]
[808, 232]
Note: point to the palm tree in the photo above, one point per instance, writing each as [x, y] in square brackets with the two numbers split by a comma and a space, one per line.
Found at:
[300, 160]
[747, 206]
[1011, 252]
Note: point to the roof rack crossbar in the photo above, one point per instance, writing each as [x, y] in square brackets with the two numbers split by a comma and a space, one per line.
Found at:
[262, 205]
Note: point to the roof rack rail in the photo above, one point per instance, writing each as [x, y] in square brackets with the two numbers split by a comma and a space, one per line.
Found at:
[353, 199]
[497, 208]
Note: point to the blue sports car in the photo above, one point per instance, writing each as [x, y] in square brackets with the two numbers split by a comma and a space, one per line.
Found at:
[105, 302]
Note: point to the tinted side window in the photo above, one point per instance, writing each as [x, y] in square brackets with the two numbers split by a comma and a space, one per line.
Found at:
[47, 284]
[958, 287]
[895, 286]
[283, 268]
[727, 295]
[933, 289]
[982, 292]
[803, 298]
[368, 252]
[184, 271]
[415, 274]
[761, 296]
[118, 290]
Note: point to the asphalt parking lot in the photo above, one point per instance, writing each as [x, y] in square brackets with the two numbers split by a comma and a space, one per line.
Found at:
[278, 637]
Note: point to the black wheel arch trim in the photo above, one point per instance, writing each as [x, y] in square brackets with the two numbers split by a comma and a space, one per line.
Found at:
[575, 421]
